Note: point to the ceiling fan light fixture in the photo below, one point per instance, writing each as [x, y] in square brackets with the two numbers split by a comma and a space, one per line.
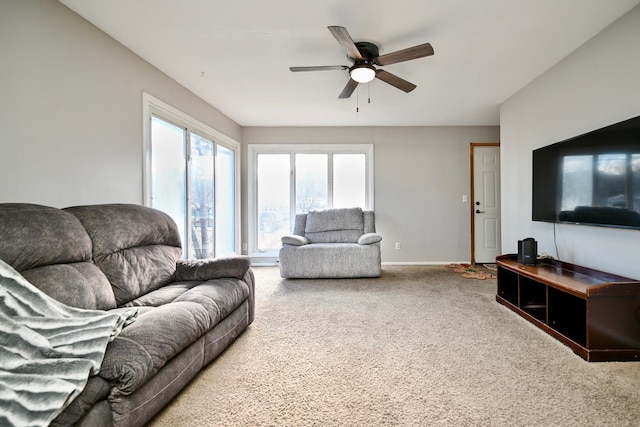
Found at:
[363, 73]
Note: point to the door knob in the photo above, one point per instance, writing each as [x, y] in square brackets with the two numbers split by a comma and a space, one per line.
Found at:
[479, 211]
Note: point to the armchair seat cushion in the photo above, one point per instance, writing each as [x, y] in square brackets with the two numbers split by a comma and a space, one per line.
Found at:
[330, 260]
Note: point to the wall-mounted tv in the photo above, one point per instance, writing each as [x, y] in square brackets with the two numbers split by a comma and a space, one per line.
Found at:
[591, 179]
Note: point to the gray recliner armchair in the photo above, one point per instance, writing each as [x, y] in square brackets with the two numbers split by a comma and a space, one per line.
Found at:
[332, 243]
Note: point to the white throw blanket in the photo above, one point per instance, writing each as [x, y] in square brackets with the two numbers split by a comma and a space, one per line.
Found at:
[48, 350]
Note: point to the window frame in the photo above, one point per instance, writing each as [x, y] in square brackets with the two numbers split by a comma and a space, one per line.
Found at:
[253, 150]
[153, 106]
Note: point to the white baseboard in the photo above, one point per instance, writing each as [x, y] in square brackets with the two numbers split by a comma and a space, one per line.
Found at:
[426, 263]
[275, 264]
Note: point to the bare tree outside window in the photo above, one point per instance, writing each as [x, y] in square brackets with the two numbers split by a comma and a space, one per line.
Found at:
[311, 182]
[201, 187]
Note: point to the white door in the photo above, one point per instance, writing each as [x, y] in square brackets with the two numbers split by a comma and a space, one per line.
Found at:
[486, 203]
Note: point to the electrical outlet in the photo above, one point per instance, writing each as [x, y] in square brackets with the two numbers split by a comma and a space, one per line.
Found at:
[244, 246]
[397, 245]
[464, 198]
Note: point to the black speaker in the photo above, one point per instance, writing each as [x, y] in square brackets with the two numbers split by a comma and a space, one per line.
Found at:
[527, 251]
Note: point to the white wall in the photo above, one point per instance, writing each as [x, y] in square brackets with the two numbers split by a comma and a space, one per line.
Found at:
[71, 109]
[597, 85]
[421, 174]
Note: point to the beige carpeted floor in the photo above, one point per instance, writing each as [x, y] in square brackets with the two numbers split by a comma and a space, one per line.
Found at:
[420, 346]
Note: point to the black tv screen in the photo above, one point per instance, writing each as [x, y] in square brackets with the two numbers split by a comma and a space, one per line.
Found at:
[591, 179]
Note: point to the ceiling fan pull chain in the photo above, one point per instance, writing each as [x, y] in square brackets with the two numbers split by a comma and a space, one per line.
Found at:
[368, 93]
[357, 100]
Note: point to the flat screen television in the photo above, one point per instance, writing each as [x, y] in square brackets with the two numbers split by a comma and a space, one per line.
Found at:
[591, 179]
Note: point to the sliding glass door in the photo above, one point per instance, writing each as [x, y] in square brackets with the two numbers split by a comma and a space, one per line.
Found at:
[168, 189]
[193, 180]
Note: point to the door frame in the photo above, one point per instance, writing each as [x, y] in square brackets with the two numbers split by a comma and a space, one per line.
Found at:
[472, 147]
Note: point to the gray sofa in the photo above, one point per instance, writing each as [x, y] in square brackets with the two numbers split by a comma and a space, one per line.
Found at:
[114, 257]
[332, 243]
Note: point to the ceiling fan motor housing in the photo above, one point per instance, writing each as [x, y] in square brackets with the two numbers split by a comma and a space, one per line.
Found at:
[367, 50]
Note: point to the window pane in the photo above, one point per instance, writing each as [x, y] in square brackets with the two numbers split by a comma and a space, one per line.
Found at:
[168, 171]
[273, 199]
[349, 180]
[311, 182]
[226, 205]
[202, 197]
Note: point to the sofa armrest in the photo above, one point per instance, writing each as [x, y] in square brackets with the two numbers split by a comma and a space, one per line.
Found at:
[212, 268]
[369, 239]
[294, 240]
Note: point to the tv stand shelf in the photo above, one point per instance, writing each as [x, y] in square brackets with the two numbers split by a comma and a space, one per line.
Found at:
[596, 314]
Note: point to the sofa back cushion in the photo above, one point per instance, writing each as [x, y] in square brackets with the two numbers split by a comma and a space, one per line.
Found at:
[344, 225]
[135, 246]
[52, 250]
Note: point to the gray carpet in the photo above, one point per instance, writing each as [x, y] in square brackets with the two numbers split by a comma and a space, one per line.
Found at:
[419, 346]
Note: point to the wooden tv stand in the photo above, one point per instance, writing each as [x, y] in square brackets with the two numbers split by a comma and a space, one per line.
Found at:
[597, 314]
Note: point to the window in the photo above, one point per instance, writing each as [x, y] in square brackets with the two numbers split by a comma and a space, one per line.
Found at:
[290, 179]
[191, 174]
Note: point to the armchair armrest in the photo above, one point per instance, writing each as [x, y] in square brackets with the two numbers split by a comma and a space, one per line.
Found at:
[212, 268]
[294, 240]
[369, 239]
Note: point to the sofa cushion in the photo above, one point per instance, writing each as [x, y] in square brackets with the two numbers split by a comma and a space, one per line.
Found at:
[344, 225]
[135, 246]
[52, 250]
[160, 333]
[219, 296]
[163, 295]
[51, 235]
[78, 284]
[137, 271]
[146, 345]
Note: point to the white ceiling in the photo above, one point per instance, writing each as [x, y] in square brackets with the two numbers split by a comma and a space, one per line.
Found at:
[236, 54]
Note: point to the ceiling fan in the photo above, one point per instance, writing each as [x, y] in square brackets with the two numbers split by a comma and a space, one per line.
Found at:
[365, 56]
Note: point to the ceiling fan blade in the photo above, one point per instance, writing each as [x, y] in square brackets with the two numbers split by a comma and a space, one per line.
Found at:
[319, 68]
[395, 81]
[407, 54]
[348, 89]
[342, 35]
